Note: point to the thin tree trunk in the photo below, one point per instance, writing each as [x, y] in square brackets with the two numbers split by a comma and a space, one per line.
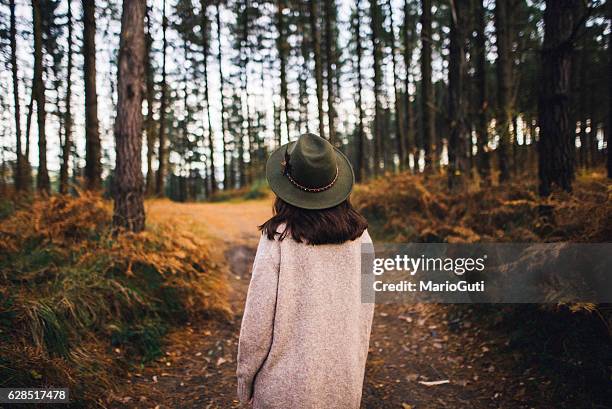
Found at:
[93, 167]
[42, 176]
[557, 134]
[316, 45]
[20, 181]
[504, 72]
[481, 89]
[29, 124]
[206, 47]
[129, 185]
[330, 10]
[67, 147]
[399, 123]
[457, 158]
[407, 33]
[377, 134]
[226, 170]
[162, 149]
[427, 99]
[150, 121]
[283, 48]
[360, 175]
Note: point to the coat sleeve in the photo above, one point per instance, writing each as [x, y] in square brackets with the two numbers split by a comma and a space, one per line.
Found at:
[258, 318]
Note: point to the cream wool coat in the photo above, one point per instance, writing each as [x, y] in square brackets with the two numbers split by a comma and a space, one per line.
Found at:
[305, 332]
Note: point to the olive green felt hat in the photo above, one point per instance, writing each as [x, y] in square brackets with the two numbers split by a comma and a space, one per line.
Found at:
[310, 173]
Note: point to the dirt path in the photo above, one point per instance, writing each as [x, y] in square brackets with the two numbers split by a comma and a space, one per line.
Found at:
[421, 356]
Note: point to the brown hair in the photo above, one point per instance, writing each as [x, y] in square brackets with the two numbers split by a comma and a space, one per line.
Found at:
[327, 226]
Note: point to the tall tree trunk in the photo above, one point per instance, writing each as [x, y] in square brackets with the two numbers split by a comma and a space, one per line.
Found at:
[283, 48]
[504, 72]
[67, 147]
[305, 45]
[20, 181]
[93, 167]
[458, 140]
[481, 90]
[427, 99]
[42, 177]
[29, 125]
[226, 170]
[399, 123]
[129, 185]
[557, 134]
[150, 95]
[375, 25]
[361, 165]
[204, 27]
[162, 157]
[407, 33]
[316, 48]
[330, 56]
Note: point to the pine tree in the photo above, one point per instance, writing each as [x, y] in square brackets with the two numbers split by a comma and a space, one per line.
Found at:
[504, 72]
[283, 51]
[42, 177]
[357, 40]
[150, 96]
[399, 123]
[93, 152]
[316, 49]
[226, 170]
[482, 118]
[67, 146]
[21, 165]
[162, 154]
[556, 147]
[330, 60]
[128, 210]
[377, 134]
[427, 91]
[458, 140]
[205, 32]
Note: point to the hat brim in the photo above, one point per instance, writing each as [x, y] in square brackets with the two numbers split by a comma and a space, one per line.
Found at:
[283, 188]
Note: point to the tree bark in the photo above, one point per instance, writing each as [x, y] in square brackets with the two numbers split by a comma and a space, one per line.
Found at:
[226, 170]
[330, 52]
[399, 123]
[375, 25]
[361, 165]
[316, 46]
[504, 72]
[204, 27]
[42, 176]
[557, 133]
[129, 185]
[407, 33]
[427, 99]
[93, 167]
[283, 47]
[458, 139]
[67, 147]
[162, 157]
[150, 121]
[481, 90]
[20, 180]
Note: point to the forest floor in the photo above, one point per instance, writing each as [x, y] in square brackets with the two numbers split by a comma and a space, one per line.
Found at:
[421, 355]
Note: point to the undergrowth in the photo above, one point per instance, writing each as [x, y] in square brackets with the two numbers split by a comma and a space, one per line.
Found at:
[78, 306]
[570, 341]
[408, 208]
[257, 190]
